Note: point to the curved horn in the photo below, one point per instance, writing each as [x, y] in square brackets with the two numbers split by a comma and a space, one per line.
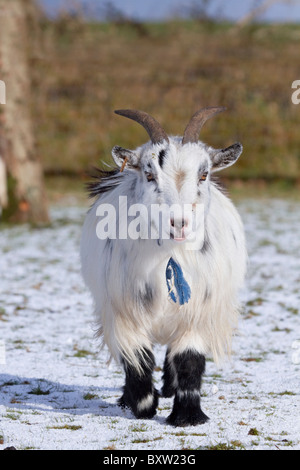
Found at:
[154, 129]
[192, 130]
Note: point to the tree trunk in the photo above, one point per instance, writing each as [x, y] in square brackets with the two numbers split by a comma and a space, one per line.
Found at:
[3, 175]
[20, 155]
[3, 185]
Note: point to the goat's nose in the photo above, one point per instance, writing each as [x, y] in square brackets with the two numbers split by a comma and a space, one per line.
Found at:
[178, 223]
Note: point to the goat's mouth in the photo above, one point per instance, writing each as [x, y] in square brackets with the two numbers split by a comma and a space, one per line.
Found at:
[180, 239]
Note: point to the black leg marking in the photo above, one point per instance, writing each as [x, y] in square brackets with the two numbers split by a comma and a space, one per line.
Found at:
[168, 388]
[139, 393]
[189, 366]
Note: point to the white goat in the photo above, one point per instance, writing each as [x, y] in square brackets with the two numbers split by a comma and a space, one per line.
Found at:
[134, 303]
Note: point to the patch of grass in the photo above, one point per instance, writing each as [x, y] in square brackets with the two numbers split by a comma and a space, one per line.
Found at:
[237, 444]
[250, 314]
[71, 427]
[19, 344]
[221, 446]
[255, 302]
[39, 391]
[114, 421]
[14, 400]
[82, 353]
[12, 416]
[164, 407]
[291, 394]
[287, 443]
[3, 314]
[253, 432]
[186, 434]
[293, 310]
[254, 443]
[288, 393]
[140, 441]
[10, 383]
[90, 396]
[252, 359]
[138, 428]
[277, 329]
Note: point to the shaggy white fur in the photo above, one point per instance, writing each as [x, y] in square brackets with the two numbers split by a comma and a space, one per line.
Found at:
[127, 278]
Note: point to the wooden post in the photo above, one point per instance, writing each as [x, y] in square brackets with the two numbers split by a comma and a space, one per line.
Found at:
[16, 128]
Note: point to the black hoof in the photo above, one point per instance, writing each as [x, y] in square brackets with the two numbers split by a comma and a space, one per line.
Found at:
[145, 414]
[122, 403]
[141, 409]
[166, 392]
[181, 419]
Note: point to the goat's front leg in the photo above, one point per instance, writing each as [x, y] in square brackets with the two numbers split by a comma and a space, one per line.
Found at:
[189, 366]
[139, 393]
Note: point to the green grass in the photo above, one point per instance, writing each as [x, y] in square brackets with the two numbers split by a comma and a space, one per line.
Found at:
[138, 428]
[253, 432]
[12, 416]
[39, 391]
[90, 396]
[252, 359]
[222, 446]
[71, 427]
[82, 353]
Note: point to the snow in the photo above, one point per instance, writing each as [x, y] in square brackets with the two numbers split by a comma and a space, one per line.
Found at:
[57, 391]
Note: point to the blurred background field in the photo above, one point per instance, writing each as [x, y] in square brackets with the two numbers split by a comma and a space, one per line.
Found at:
[84, 70]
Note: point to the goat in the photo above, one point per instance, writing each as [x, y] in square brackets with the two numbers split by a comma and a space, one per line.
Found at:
[135, 304]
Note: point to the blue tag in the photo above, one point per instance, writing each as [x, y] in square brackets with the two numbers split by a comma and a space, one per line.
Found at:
[177, 286]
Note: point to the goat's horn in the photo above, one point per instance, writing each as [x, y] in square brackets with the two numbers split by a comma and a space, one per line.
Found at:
[154, 129]
[192, 130]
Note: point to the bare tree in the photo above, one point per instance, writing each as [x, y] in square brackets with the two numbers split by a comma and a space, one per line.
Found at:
[17, 141]
[259, 9]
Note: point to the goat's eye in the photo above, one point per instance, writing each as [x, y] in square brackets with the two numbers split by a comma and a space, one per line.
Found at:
[203, 177]
[150, 177]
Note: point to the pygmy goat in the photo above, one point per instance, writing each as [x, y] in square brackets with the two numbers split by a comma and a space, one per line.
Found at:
[177, 286]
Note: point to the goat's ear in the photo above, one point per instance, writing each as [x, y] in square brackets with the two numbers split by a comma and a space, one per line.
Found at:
[223, 158]
[124, 157]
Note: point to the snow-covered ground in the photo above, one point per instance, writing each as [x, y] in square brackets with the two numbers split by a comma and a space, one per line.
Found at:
[57, 391]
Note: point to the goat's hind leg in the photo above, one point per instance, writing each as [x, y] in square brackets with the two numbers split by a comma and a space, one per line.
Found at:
[189, 366]
[169, 377]
[139, 393]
